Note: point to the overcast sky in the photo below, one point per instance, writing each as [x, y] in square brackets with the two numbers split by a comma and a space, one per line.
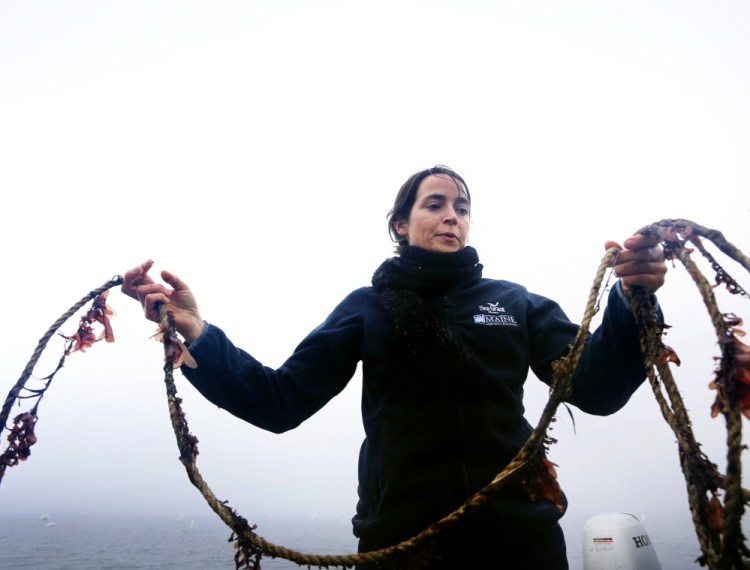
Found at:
[254, 148]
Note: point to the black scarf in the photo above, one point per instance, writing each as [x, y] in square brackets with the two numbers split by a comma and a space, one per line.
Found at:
[406, 283]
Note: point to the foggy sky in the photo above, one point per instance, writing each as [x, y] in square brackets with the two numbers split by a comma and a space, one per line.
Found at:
[254, 148]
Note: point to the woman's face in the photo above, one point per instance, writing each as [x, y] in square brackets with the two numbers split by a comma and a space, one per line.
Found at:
[439, 219]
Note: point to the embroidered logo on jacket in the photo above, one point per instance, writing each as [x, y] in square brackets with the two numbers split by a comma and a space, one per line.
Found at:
[492, 314]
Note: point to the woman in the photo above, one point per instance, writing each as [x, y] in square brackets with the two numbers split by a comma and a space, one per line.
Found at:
[445, 353]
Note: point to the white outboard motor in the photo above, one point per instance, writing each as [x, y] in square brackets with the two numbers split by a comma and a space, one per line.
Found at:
[617, 541]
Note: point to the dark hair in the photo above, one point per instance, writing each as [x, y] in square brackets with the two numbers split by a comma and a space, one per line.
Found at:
[408, 193]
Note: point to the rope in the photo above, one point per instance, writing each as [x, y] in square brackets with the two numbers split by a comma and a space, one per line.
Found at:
[409, 553]
[9, 457]
[722, 543]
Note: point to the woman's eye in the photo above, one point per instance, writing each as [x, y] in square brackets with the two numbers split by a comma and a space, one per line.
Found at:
[433, 207]
[463, 211]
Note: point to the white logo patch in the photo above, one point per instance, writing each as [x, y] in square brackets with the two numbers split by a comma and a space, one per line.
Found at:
[492, 314]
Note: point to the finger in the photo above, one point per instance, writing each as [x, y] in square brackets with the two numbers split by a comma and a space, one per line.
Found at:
[152, 305]
[136, 277]
[138, 273]
[609, 244]
[650, 282]
[146, 289]
[176, 283]
[640, 241]
[653, 254]
[650, 277]
[640, 267]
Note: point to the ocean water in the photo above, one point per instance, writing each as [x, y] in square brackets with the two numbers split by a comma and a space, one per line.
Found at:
[128, 542]
[84, 542]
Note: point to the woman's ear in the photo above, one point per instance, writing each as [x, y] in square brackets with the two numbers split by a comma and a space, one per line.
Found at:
[401, 227]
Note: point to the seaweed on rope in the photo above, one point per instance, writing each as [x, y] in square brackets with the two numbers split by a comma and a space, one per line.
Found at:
[716, 500]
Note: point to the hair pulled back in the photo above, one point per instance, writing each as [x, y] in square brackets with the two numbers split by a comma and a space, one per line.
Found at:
[408, 193]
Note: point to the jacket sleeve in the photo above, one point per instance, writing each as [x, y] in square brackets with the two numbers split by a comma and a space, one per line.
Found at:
[611, 367]
[280, 399]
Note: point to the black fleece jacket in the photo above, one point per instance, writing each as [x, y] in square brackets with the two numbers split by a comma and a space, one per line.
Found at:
[432, 439]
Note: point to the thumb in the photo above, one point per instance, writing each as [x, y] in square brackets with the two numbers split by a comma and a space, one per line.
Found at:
[176, 283]
[610, 244]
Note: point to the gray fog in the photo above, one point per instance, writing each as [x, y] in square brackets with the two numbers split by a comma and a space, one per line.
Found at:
[254, 148]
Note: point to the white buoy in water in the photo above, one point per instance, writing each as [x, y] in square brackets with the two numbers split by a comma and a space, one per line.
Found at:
[617, 541]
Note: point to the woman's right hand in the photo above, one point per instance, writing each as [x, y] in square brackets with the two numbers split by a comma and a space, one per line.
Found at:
[179, 299]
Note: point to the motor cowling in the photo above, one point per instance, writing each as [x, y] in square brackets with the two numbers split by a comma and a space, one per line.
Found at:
[617, 541]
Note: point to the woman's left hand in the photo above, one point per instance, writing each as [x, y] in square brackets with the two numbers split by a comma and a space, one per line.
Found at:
[640, 262]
